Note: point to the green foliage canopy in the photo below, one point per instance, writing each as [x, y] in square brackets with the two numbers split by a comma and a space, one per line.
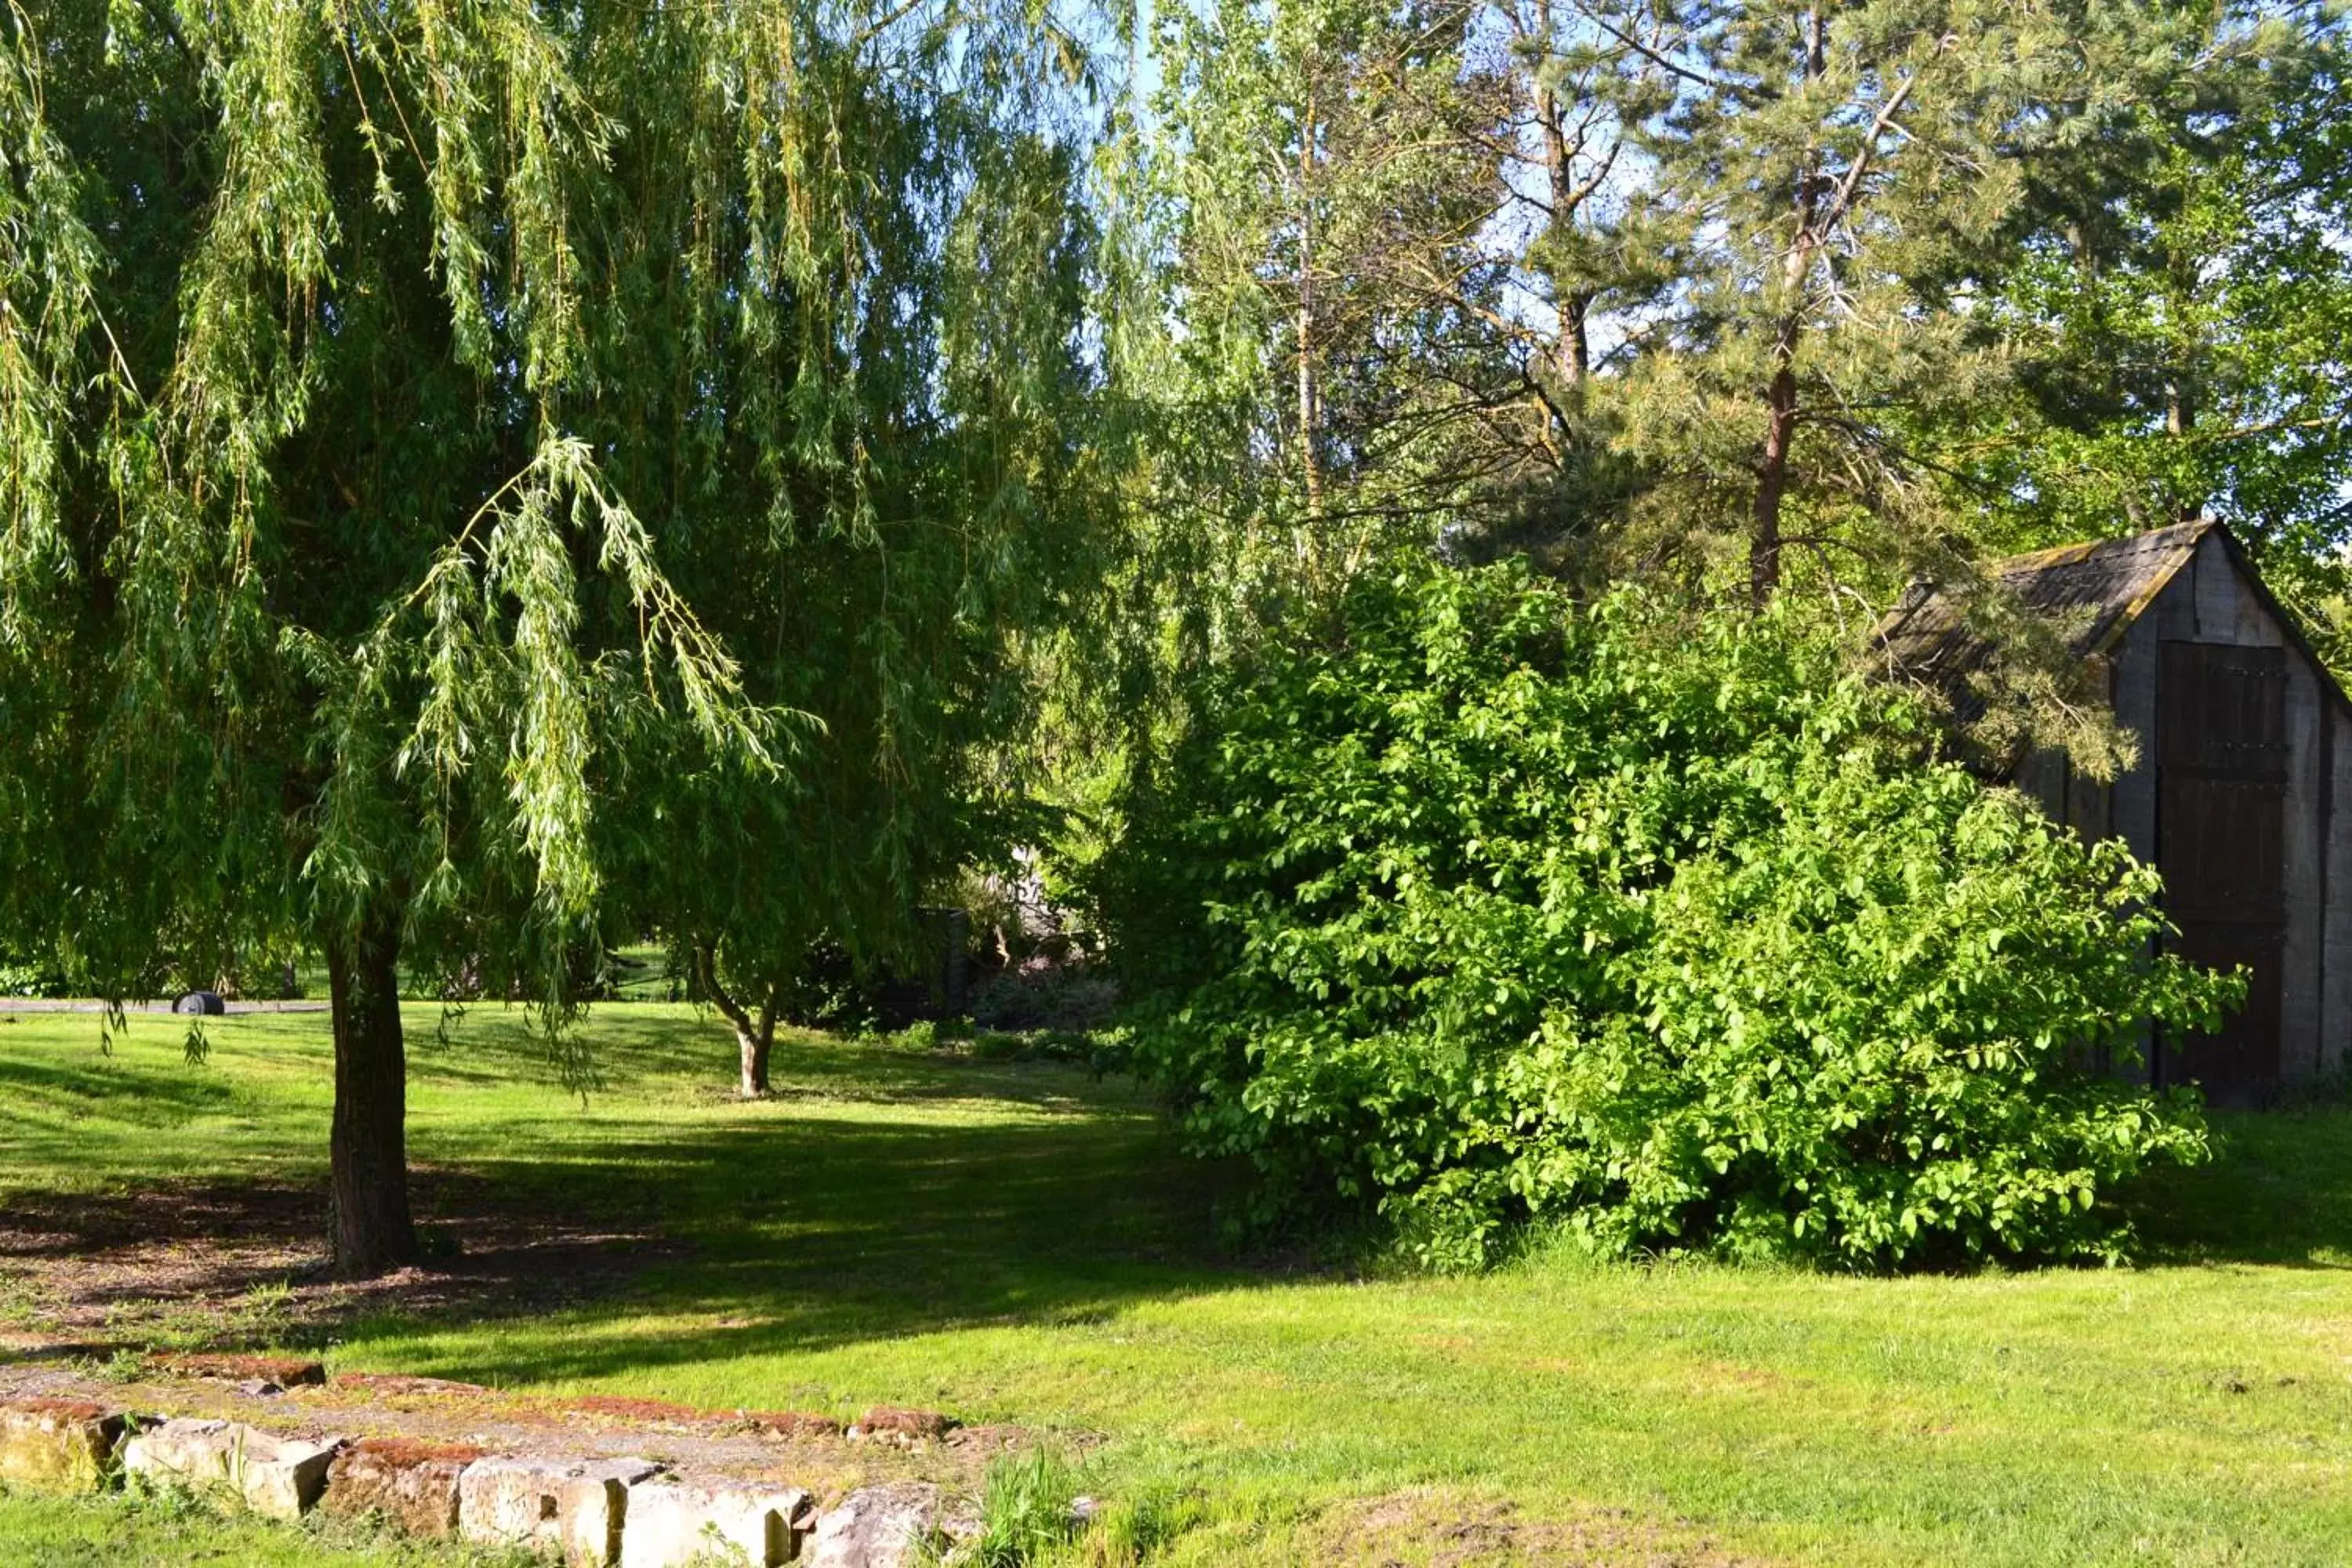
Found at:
[1484, 907]
[2178, 298]
[475, 474]
[446, 443]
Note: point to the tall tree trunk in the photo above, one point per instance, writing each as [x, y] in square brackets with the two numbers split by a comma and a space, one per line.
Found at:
[1772, 482]
[2180, 420]
[2180, 398]
[1572, 351]
[368, 1148]
[1781, 394]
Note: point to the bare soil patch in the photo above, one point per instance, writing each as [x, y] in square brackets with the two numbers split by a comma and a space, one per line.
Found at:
[205, 1266]
[394, 1385]
[286, 1371]
[791, 1423]
[1431, 1527]
[637, 1411]
[896, 1423]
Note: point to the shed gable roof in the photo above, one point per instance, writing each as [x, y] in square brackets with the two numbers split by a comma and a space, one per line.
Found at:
[2114, 579]
[2109, 583]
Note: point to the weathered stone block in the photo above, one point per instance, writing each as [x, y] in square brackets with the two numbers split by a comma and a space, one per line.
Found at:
[414, 1484]
[674, 1522]
[572, 1508]
[280, 1476]
[56, 1445]
[893, 1526]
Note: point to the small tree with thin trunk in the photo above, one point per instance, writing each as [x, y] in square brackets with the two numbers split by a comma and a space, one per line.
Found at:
[755, 1036]
[1838, 173]
[1319, 174]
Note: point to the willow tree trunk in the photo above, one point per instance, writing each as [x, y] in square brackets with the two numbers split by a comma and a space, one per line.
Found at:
[755, 1038]
[368, 1147]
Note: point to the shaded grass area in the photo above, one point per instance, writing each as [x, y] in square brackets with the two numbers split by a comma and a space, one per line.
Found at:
[1018, 1241]
[2282, 1195]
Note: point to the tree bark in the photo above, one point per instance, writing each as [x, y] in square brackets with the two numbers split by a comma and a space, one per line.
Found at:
[754, 1037]
[756, 1051]
[368, 1148]
[1571, 352]
[1772, 480]
[1781, 394]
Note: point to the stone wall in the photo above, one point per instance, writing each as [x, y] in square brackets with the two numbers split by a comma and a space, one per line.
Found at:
[585, 1513]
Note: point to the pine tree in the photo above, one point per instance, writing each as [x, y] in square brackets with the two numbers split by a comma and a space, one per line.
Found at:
[2180, 297]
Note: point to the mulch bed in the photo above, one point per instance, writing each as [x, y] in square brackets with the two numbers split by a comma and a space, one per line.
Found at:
[203, 1265]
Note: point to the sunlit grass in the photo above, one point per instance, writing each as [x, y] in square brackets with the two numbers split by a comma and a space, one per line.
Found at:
[1018, 1241]
[165, 1531]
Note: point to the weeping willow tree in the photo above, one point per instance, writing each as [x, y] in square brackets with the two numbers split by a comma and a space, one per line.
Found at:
[475, 472]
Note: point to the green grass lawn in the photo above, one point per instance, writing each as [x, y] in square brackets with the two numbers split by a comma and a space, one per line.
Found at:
[1018, 1241]
[123, 1532]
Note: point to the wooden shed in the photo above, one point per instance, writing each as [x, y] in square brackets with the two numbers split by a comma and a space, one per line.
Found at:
[2245, 748]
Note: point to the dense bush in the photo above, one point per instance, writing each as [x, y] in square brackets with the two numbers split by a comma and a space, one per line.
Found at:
[1481, 907]
[1039, 994]
[24, 976]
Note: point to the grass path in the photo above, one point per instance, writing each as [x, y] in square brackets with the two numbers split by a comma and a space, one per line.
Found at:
[1020, 1242]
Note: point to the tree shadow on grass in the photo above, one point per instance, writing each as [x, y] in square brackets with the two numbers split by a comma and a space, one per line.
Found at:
[182, 1265]
[2279, 1192]
[817, 1231]
[59, 1087]
[887, 1192]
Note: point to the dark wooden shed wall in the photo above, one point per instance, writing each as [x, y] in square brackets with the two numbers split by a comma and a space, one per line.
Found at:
[2211, 597]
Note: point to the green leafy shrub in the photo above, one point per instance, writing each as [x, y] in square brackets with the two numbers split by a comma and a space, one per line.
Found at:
[22, 975]
[1483, 908]
[1074, 997]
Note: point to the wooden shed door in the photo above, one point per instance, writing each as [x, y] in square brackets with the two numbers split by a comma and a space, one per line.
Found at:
[2221, 756]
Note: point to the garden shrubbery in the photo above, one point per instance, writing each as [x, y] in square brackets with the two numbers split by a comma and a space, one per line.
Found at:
[1482, 905]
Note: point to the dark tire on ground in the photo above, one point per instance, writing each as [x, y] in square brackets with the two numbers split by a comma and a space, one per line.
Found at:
[207, 1003]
